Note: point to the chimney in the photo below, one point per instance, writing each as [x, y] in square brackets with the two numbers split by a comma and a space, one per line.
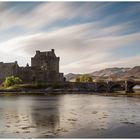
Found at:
[52, 50]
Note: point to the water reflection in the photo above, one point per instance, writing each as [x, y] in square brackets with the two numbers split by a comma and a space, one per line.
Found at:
[47, 118]
[30, 115]
[65, 115]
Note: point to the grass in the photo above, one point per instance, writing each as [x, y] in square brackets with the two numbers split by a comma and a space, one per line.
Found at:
[35, 86]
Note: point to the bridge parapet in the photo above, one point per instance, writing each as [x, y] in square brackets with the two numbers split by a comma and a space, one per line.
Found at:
[108, 86]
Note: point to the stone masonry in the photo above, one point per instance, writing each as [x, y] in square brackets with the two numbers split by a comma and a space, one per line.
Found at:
[44, 68]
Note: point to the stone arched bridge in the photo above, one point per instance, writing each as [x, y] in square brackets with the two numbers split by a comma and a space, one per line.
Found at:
[109, 86]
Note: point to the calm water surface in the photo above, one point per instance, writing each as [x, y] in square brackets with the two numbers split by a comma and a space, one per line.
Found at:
[76, 115]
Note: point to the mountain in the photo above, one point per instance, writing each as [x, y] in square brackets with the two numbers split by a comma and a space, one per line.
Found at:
[113, 72]
[110, 72]
[134, 72]
[71, 77]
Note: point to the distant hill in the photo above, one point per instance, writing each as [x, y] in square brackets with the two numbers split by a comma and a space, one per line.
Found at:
[110, 72]
[134, 72]
[113, 72]
[71, 77]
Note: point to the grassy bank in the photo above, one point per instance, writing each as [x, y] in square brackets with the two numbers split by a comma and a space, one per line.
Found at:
[35, 86]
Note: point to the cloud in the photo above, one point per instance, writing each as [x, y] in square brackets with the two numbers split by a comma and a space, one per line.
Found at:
[84, 41]
[46, 14]
[78, 49]
[53, 14]
[72, 39]
[122, 62]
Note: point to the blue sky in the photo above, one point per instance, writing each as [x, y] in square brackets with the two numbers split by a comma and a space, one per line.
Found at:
[88, 36]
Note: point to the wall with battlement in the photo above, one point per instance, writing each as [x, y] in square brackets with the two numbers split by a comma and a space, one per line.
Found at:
[44, 68]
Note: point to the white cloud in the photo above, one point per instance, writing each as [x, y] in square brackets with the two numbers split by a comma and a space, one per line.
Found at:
[78, 49]
[82, 47]
[122, 62]
[47, 13]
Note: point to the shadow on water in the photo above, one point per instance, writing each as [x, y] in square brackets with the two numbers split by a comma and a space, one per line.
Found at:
[35, 116]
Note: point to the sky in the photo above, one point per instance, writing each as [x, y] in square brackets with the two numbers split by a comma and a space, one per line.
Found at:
[87, 36]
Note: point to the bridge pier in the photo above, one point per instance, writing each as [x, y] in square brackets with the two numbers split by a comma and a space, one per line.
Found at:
[96, 87]
[109, 86]
[128, 88]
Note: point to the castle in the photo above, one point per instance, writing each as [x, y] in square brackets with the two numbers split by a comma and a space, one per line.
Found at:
[44, 68]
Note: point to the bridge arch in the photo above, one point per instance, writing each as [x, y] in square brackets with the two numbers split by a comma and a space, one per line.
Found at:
[136, 88]
[102, 87]
[117, 87]
[131, 87]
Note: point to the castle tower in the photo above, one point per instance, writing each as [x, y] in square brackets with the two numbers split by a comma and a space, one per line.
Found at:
[48, 62]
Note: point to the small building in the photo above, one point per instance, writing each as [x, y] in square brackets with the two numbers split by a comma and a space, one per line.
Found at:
[44, 68]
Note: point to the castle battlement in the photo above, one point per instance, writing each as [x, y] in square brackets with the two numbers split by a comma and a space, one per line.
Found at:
[44, 68]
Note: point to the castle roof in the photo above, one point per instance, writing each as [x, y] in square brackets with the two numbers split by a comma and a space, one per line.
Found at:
[45, 53]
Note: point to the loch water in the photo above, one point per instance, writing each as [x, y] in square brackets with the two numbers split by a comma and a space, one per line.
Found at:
[69, 116]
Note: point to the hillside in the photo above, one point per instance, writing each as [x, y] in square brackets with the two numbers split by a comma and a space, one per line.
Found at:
[110, 72]
[134, 72]
[113, 72]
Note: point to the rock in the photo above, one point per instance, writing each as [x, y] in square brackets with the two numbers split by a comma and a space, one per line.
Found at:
[94, 112]
[128, 122]
[7, 125]
[72, 119]
[26, 131]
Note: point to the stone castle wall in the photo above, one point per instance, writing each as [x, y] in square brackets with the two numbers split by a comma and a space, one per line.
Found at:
[44, 68]
[8, 69]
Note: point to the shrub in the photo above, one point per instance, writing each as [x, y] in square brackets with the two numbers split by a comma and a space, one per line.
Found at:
[84, 78]
[11, 80]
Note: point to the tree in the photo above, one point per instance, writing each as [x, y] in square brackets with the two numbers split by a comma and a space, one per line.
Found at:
[84, 78]
[90, 79]
[11, 80]
[77, 79]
